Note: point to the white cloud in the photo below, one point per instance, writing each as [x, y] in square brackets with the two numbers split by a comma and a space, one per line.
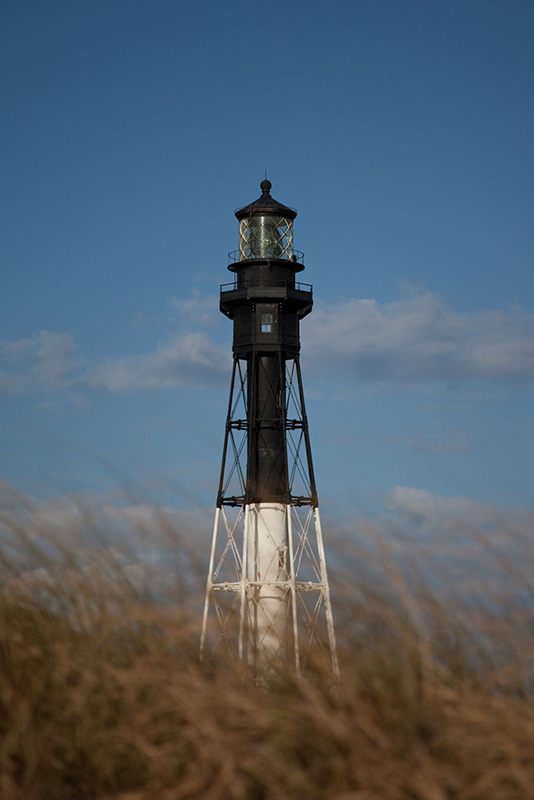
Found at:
[201, 309]
[46, 361]
[430, 510]
[457, 526]
[459, 547]
[82, 546]
[419, 339]
[439, 442]
[41, 530]
[186, 359]
[10, 384]
[406, 342]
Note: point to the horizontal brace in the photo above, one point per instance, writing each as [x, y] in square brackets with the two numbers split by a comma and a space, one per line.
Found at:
[236, 587]
[309, 586]
[301, 501]
[225, 587]
[233, 501]
[239, 500]
[301, 586]
[294, 424]
[283, 584]
[291, 424]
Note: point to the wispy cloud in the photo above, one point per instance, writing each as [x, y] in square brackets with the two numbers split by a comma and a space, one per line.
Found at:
[93, 537]
[185, 359]
[431, 510]
[438, 442]
[110, 518]
[46, 361]
[11, 384]
[202, 309]
[459, 546]
[419, 339]
[452, 520]
[411, 341]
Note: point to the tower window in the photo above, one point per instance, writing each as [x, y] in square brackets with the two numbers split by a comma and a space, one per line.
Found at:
[266, 323]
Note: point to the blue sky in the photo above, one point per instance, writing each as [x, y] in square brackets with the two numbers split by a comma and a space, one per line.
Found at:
[401, 131]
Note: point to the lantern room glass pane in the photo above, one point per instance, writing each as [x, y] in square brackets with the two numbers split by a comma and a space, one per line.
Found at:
[264, 236]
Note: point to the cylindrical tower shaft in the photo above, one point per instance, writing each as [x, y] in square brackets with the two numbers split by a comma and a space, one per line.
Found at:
[267, 478]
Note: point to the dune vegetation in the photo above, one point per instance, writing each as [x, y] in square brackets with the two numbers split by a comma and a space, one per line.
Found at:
[102, 694]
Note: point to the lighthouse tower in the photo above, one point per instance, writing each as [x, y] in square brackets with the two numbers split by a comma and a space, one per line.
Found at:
[267, 595]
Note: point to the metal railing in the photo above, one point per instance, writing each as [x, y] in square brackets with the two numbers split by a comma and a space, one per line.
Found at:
[236, 255]
[265, 284]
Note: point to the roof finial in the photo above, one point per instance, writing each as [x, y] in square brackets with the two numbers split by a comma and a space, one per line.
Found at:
[265, 185]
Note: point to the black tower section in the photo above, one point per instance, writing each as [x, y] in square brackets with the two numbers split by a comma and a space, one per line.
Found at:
[266, 304]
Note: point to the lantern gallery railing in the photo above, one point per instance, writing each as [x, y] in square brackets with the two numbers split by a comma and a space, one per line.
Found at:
[280, 284]
[239, 255]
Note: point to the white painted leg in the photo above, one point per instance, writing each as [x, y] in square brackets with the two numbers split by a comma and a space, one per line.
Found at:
[326, 589]
[209, 583]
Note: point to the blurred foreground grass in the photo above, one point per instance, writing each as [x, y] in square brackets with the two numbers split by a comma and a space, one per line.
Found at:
[102, 695]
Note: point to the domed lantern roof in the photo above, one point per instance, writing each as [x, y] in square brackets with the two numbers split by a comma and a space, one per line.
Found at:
[266, 205]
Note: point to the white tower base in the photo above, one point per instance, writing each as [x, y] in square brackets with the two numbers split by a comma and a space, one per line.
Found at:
[268, 588]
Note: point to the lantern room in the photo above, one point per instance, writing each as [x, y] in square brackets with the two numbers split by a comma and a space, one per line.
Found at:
[266, 229]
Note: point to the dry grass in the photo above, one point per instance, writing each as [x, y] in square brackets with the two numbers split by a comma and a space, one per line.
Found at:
[102, 696]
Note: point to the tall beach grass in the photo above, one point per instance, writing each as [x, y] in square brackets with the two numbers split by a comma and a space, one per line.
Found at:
[102, 694]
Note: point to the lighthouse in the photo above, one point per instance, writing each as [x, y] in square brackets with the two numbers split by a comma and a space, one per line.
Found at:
[267, 597]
